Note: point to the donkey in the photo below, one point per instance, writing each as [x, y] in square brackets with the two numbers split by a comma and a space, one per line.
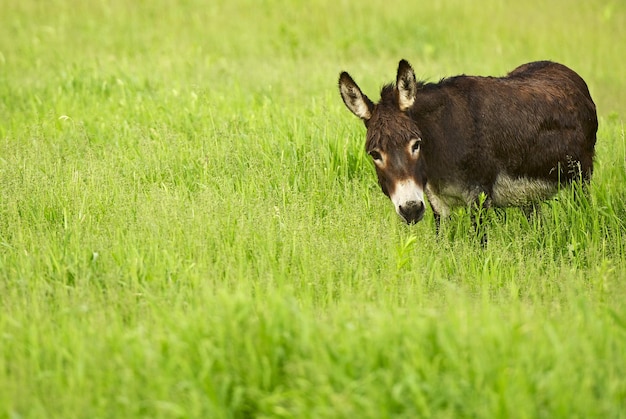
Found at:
[471, 141]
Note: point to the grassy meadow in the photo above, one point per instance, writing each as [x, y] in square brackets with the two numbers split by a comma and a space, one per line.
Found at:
[189, 225]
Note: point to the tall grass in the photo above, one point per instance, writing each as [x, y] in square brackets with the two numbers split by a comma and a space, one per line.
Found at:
[189, 226]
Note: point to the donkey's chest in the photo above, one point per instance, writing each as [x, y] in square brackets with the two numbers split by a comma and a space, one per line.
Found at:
[506, 191]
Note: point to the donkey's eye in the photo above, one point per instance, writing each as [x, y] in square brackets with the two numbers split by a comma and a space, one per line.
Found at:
[376, 155]
[415, 146]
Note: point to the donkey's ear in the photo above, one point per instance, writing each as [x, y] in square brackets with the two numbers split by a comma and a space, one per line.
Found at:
[354, 99]
[406, 85]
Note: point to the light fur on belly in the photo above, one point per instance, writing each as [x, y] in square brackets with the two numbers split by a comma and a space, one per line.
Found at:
[509, 191]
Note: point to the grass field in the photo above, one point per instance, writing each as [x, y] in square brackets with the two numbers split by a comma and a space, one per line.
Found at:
[189, 225]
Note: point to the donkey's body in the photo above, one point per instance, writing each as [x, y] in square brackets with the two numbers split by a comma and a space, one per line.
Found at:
[513, 139]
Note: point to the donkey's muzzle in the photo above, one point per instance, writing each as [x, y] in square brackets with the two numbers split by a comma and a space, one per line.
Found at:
[412, 211]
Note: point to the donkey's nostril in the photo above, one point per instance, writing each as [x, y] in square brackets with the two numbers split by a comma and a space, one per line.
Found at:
[412, 211]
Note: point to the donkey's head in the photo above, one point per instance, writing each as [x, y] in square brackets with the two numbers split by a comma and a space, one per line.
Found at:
[393, 139]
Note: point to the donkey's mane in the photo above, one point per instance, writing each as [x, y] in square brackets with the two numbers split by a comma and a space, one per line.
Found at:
[389, 95]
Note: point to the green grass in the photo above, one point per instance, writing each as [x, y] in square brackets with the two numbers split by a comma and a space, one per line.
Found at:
[189, 225]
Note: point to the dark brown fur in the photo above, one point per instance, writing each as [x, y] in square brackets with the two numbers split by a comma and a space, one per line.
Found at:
[538, 122]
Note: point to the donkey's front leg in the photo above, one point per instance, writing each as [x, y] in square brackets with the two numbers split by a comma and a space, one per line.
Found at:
[478, 211]
[437, 218]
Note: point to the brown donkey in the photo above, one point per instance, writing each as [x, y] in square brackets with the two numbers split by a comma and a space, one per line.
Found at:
[511, 140]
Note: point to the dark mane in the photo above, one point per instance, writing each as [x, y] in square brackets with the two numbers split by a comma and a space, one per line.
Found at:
[388, 95]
